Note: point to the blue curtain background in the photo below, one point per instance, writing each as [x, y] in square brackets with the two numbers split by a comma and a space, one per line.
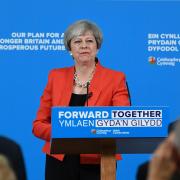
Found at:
[125, 25]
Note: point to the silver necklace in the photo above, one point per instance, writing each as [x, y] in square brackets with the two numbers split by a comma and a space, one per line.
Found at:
[79, 83]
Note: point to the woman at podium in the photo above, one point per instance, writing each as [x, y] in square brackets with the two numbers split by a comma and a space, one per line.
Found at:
[87, 83]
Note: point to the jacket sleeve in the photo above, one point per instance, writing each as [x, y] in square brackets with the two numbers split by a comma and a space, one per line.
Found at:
[42, 123]
[120, 92]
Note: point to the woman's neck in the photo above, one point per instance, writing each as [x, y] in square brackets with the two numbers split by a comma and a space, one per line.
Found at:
[85, 70]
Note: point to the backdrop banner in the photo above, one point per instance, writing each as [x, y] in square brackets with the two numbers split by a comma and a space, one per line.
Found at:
[140, 38]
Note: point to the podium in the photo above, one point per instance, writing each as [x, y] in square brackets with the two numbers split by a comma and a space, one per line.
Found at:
[108, 131]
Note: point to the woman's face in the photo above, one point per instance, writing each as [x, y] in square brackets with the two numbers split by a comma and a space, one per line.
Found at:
[84, 48]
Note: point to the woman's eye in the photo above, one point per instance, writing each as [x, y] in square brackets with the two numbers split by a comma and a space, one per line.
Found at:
[90, 41]
[77, 42]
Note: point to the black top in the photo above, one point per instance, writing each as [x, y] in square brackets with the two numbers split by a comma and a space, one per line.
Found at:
[77, 99]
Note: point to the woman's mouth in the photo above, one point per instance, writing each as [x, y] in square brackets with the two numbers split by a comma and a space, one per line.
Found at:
[84, 53]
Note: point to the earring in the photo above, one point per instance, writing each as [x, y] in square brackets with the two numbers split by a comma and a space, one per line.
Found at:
[70, 53]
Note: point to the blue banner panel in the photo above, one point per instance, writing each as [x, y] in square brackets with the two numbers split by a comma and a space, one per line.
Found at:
[109, 122]
[140, 38]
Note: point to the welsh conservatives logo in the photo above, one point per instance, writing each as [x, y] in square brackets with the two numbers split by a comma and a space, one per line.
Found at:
[163, 61]
[93, 131]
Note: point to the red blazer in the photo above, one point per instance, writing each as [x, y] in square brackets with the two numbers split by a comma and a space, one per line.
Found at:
[108, 88]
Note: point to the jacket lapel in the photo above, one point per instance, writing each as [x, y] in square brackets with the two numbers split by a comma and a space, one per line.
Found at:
[68, 87]
[95, 86]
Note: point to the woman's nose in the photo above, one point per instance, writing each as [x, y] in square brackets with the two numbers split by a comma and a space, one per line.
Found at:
[83, 44]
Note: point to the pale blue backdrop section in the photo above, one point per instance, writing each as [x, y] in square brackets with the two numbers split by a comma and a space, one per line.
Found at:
[125, 25]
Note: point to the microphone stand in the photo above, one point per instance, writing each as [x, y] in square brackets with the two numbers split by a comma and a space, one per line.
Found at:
[87, 94]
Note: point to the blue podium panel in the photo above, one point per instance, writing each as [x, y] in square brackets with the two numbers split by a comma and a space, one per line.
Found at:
[109, 122]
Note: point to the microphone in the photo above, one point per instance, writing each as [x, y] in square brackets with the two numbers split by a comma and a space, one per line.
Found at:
[88, 95]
